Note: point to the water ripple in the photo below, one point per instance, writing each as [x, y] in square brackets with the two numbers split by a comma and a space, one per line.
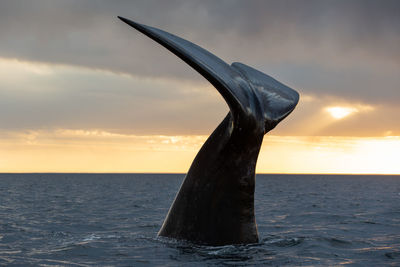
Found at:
[112, 220]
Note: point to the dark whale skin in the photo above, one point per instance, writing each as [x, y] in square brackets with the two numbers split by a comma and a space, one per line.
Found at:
[215, 204]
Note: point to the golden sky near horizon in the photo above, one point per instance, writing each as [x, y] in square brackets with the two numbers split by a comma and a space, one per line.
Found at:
[86, 93]
[95, 151]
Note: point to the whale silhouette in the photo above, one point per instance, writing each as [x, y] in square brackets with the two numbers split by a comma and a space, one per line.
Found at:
[215, 204]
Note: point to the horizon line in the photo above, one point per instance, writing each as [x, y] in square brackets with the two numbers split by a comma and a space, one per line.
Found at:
[183, 173]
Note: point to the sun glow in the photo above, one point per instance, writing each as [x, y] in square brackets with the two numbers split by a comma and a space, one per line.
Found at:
[341, 112]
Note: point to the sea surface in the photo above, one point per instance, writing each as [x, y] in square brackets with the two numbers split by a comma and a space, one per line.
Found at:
[113, 219]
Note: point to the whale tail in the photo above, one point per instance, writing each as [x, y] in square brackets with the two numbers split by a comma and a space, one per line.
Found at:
[247, 91]
[215, 204]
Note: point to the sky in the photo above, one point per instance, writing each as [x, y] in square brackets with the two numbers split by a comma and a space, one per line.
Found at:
[80, 91]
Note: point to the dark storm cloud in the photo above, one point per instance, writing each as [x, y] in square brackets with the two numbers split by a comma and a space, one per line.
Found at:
[88, 33]
[345, 49]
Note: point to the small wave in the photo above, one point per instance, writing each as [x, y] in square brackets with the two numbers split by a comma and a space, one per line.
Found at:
[149, 225]
[60, 234]
[91, 237]
[369, 222]
[222, 250]
[335, 242]
[171, 242]
[71, 247]
[393, 255]
[233, 253]
[227, 253]
[283, 242]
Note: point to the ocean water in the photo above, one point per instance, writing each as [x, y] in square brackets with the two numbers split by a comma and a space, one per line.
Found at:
[113, 219]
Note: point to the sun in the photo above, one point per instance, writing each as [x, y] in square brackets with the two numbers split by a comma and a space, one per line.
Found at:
[341, 112]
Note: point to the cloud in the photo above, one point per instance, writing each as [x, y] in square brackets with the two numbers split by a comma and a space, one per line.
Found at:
[98, 73]
[38, 96]
[257, 32]
[310, 118]
[373, 84]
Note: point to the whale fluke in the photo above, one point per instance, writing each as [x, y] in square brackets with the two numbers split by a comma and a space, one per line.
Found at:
[215, 204]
